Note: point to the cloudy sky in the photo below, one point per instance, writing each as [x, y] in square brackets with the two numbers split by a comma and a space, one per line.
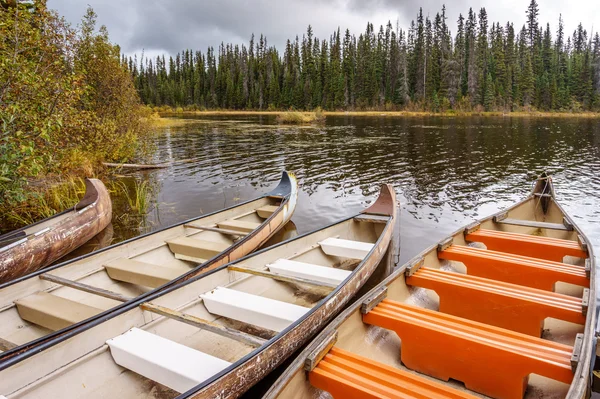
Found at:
[170, 26]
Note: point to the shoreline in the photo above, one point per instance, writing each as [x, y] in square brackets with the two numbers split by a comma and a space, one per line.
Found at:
[517, 114]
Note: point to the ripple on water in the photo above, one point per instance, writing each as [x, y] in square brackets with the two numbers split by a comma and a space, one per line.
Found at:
[446, 171]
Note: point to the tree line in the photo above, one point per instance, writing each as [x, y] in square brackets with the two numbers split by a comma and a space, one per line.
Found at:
[482, 67]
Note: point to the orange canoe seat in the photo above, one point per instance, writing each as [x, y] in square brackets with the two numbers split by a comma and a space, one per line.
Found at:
[490, 360]
[528, 245]
[500, 304]
[348, 376]
[516, 269]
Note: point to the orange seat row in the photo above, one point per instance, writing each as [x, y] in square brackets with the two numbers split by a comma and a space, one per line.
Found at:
[486, 333]
[500, 304]
[348, 376]
[488, 359]
[549, 248]
[516, 269]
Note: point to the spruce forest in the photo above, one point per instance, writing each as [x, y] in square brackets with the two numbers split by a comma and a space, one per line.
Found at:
[484, 66]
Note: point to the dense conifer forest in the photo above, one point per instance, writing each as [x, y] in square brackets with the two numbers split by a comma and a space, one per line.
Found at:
[483, 66]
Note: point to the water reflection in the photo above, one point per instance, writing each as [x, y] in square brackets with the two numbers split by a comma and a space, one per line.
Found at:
[447, 171]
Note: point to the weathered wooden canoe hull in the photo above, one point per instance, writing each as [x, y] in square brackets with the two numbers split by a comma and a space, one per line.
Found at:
[253, 368]
[286, 193]
[89, 217]
[293, 382]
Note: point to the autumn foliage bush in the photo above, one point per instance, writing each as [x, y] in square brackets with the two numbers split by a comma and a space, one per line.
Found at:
[66, 102]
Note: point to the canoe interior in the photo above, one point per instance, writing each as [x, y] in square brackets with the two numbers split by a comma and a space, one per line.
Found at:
[90, 270]
[384, 346]
[83, 366]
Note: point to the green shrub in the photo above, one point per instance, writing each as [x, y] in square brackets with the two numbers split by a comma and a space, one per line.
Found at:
[66, 102]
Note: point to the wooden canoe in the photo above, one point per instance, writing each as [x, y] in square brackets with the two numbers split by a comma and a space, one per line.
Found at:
[93, 285]
[32, 247]
[430, 330]
[217, 334]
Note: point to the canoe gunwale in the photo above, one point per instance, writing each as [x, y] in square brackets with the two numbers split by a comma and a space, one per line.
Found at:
[24, 351]
[381, 246]
[577, 389]
[584, 367]
[7, 236]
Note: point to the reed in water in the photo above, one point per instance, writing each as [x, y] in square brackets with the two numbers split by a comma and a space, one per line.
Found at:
[300, 118]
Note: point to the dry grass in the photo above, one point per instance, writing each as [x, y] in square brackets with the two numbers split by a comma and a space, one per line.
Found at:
[297, 118]
[155, 120]
[452, 113]
[46, 201]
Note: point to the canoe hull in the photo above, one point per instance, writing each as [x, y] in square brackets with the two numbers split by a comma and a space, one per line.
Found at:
[238, 381]
[89, 218]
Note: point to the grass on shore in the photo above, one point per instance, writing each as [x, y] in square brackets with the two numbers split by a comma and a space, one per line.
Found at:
[155, 120]
[451, 113]
[45, 202]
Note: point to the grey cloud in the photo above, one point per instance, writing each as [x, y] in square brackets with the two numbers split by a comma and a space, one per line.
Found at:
[170, 26]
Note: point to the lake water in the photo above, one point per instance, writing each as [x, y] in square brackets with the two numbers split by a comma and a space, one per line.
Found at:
[446, 171]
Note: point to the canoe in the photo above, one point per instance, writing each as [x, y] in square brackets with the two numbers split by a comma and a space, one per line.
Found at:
[36, 246]
[476, 315]
[93, 285]
[217, 334]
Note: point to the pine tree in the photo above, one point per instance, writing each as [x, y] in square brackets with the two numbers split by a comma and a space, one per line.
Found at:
[488, 101]
[460, 55]
[471, 60]
[511, 67]
[532, 22]
[482, 56]
[526, 81]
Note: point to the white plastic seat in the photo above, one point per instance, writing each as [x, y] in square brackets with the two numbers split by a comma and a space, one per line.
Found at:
[169, 363]
[292, 268]
[252, 309]
[346, 248]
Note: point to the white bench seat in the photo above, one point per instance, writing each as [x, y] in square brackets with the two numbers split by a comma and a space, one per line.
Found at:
[52, 311]
[195, 250]
[142, 273]
[252, 309]
[242, 226]
[292, 268]
[169, 363]
[266, 211]
[346, 248]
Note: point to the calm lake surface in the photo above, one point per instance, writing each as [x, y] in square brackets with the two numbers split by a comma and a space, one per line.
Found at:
[446, 171]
